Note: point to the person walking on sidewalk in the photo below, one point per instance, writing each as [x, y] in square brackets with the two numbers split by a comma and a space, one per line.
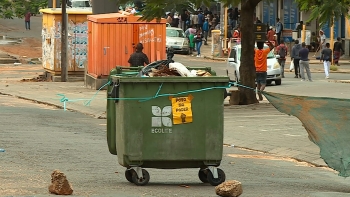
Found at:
[304, 62]
[200, 20]
[206, 30]
[198, 39]
[27, 20]
[338, 50]
[195, 19]
[282, 51]
[279, 30]
[322, 41]
[326, 57]
[271, 36]
[295, 58]
[260, 59]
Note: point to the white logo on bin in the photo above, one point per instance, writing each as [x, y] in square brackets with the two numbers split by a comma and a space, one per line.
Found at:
[161, 118]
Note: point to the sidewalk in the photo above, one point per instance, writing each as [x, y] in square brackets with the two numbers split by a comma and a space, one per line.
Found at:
[315, 65]
[242, 127]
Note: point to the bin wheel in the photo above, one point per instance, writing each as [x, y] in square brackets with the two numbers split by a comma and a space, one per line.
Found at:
[216, 181]
[128, 175]
[203, 176]
[140, 181]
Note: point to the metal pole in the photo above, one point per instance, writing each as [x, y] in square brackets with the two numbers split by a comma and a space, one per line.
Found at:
[332, 39]
[225, 29]
[64, 43]
[303, 33]
[222, 19]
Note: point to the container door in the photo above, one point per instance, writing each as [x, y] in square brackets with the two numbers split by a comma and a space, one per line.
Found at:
[117, 46]
[153, 38]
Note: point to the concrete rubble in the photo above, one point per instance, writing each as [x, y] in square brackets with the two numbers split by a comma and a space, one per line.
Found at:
[59, 184]
[230, 188]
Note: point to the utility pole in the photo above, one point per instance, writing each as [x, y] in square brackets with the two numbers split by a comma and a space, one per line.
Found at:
[222, 27]
[64, 43]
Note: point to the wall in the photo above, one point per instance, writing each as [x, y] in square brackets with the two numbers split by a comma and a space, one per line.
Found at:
[269, 12]
[289, 14]
[304, 16]
[77, 43]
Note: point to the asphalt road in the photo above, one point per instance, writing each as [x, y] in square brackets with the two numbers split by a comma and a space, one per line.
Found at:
[39, 139]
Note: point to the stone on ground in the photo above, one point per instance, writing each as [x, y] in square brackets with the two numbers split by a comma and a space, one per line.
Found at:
[231, 188]
[59, 184]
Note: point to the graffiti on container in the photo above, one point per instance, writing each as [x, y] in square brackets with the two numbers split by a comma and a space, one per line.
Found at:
[48, 47]
[146, 35]
[122, 20]
[79, 43]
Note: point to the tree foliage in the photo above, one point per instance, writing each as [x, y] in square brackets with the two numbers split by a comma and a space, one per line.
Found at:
[17, 8]
[325, 10]
[155, 9]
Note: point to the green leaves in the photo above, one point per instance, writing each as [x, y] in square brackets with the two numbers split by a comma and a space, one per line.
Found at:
[155, 9]
[18, 8]
[325, 10]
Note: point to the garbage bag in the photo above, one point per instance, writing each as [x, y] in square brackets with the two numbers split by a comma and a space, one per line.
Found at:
[145, 70]
[157, 64]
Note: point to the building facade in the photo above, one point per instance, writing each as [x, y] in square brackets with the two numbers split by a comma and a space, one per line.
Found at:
[288, 13]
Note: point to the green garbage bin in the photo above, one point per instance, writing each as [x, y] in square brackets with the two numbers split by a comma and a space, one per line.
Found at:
[167, 123]
[111, 113]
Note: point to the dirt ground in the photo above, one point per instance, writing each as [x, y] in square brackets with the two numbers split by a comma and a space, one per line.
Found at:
[30, 48]
[5, 28]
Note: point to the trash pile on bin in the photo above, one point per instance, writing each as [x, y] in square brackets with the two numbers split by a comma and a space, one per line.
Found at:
[176, 69]
[169, 68]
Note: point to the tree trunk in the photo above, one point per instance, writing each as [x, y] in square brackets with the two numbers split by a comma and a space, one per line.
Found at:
[247, 68]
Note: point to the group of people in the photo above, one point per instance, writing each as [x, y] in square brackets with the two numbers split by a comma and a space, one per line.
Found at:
[299, 57]
[274, 36]
[260, 60]
[187, 19]
[196, 35]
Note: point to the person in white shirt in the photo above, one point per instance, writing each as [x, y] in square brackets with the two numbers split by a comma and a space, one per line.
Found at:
[322, 41]
[195, 19]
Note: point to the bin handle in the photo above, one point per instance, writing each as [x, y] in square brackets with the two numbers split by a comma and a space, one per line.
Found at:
[114, 93]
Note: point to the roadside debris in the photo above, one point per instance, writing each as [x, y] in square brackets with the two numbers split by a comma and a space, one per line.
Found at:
[170, 68]
[59, 184]
[35, 79]
[176, 69]
[230, 188]
[2, 150]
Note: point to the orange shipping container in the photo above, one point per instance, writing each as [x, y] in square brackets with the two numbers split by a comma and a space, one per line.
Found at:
[113, 37]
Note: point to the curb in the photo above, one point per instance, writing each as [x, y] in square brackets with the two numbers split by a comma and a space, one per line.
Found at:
[215, 58]
[278, 155]
[340, 81]
[101, 116]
